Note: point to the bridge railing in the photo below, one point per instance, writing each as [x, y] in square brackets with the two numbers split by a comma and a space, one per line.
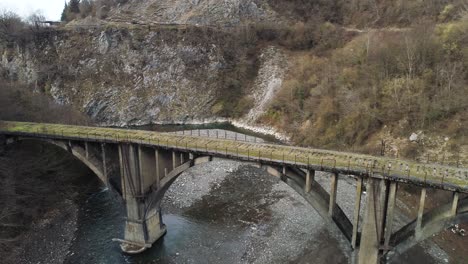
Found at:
[279, 154]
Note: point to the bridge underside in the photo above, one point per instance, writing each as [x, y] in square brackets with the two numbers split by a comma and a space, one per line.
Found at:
[142, 174]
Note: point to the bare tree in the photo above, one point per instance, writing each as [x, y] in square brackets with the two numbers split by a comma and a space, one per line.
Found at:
[11, 26]
[36, 20]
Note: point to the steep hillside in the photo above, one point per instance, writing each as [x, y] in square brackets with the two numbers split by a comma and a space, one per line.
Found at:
[199, 12]
[379, 90]
[131, 76]
[303, 68]
[360, 13]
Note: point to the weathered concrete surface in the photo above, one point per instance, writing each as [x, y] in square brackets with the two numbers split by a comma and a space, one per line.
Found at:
[372, 224]
[428, 175]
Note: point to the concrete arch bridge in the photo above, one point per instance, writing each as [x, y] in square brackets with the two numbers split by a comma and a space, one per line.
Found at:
[141, 166]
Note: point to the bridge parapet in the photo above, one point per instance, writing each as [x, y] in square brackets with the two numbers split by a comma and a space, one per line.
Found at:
[433, 175]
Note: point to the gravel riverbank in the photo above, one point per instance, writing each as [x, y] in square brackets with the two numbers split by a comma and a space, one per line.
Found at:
[50, 238]
[267, 221]
[261, 218]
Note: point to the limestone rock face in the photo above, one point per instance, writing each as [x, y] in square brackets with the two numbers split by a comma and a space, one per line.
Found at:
[130, 70]
[121, 77]
[268, 82]
[198, 12]
[140, 76]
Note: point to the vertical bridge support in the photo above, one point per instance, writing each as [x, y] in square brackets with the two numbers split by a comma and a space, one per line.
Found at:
[333, 193]
[373, 225]
[357, 210]
[144, 223]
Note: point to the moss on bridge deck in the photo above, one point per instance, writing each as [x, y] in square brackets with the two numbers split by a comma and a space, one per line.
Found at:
[405, 170]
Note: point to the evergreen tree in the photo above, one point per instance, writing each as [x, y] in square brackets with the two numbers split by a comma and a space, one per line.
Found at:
[64, 16]
[74, 6]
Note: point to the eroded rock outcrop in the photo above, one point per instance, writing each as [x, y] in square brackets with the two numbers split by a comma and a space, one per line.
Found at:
[197, 12]
[144, 75]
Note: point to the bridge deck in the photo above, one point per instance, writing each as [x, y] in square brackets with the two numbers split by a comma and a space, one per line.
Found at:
[435, 175]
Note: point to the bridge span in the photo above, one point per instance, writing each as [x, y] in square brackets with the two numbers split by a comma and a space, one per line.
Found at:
[141, 165]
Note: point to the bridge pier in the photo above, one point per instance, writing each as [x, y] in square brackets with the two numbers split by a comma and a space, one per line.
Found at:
[333, 193]
[357, 210]
[455, 200]
[310, 177]
[369, 249]
[419, 221]
[144, 224]
[390, 214]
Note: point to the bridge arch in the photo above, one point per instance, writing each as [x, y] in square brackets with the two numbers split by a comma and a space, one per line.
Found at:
[317, 197]
[435, 221]
[76, 151]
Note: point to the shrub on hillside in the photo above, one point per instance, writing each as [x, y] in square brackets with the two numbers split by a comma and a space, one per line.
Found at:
[413, 79]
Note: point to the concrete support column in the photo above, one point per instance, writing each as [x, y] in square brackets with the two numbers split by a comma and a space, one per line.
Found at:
[370, 241]
[143, 225]
[419, 220]
[384, 194]
[148, 175]
[104, 162]
[176, 159]
[454, 204]
[310, 176]
[357, 209]
[87, 149]
[333, 192]
[157, 168]
[390, 214]
[164, 163]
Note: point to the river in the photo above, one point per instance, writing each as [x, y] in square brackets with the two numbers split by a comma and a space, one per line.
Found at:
[223, 212]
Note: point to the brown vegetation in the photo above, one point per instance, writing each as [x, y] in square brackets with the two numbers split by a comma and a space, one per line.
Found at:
[20, 102]
[370, 13]
[411, 79]
[76, 9]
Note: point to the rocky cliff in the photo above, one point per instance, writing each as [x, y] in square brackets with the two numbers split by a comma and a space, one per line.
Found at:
[140, 75]
[200, 12]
